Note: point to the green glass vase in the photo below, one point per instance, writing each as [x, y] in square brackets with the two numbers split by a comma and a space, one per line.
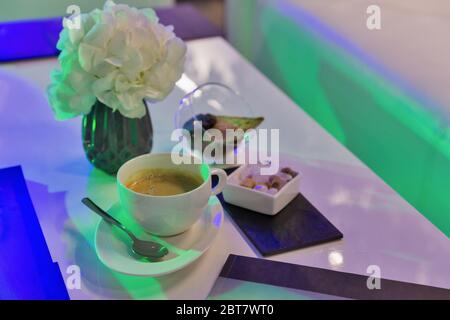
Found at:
[110, 139]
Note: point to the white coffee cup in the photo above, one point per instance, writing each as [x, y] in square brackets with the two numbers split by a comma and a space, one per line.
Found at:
[167, 215]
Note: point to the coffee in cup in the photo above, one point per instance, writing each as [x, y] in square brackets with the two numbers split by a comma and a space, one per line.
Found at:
[163, 197]
[163, 182]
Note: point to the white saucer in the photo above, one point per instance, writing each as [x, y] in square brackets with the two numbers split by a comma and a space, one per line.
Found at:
[113, 246]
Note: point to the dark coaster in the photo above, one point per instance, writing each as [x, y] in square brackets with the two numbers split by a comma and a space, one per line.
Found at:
[298, 225]
[323, 281]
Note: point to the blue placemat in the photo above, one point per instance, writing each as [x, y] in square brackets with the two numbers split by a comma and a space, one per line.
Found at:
[26, 267]
[296, 226]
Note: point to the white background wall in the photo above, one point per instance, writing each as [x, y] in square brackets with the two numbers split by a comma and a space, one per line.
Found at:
[413, 43]
[414, 40]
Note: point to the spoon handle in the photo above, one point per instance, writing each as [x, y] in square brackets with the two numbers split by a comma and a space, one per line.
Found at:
[102, 213]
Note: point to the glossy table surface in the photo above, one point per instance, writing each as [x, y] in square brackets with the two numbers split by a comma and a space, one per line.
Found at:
[379, 227]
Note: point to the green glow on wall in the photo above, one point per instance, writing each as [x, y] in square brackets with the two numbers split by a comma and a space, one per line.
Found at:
[399, 138]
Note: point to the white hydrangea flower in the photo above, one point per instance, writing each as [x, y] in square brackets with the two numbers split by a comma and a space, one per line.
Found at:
[119, 56]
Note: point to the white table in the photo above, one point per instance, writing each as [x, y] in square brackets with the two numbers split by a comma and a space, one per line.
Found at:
[379, 227]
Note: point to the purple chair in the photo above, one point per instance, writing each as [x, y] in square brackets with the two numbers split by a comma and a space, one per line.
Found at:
[37, 38]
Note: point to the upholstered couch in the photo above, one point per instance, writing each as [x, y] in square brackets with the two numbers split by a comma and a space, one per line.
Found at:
[384, 93]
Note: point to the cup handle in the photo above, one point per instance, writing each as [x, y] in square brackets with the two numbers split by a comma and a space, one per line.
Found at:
[222, 175]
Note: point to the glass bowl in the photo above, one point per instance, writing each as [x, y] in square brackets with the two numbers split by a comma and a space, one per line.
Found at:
[216, 99]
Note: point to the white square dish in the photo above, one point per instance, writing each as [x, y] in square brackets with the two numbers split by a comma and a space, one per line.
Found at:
[258, 201]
